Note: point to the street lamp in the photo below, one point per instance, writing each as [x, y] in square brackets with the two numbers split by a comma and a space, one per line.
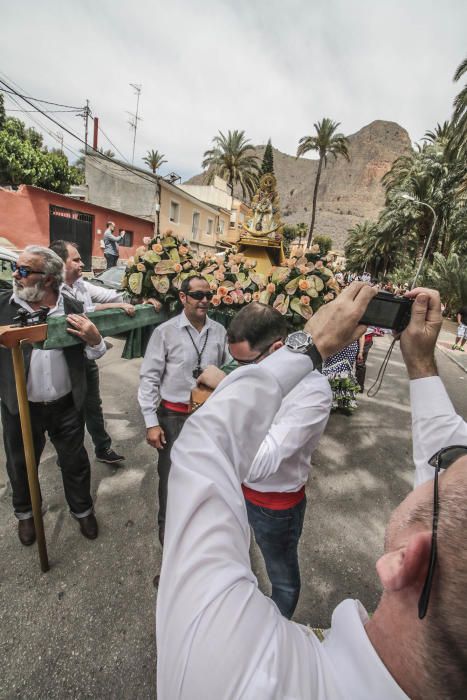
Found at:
[410, 198]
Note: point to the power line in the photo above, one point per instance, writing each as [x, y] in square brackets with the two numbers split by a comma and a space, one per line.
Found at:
[36, 99]
[47, 111]
[78, 138]
[112, 144]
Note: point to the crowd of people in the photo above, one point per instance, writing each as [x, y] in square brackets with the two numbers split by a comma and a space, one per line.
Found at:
[241, 461]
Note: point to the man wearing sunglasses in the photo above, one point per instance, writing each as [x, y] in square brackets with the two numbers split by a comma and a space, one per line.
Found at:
[177, 353]
[274, 490]
[218, 636]
[56, 386]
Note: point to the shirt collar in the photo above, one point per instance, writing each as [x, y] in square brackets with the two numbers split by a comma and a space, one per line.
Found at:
[360, 669]
[184, 322]
[15, 299]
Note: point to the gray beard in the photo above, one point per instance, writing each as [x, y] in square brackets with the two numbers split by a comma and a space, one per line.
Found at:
[29, 294]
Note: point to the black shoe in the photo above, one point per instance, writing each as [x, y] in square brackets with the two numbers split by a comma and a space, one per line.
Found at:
[88, 526]
[109, 456]
[26, 531]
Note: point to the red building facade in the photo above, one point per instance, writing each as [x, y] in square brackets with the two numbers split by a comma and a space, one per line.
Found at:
[34, 216]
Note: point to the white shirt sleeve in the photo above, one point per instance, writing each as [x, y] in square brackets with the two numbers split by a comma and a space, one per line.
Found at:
[301, 426]
[102, 295]
[95, 351]
[217, 635]
[151, 373]
[435, 424]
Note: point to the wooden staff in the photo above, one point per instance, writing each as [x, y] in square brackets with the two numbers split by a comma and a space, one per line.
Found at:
[13, 337]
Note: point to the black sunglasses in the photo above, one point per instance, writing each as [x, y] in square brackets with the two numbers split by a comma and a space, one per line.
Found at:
[441, 460]
[25, 271]
[255, 359]
[200, 295]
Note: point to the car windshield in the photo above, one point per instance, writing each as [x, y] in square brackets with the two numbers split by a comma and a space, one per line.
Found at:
[115, 274]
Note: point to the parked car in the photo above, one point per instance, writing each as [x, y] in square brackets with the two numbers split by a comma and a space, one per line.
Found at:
[7, 256]
[111, 278]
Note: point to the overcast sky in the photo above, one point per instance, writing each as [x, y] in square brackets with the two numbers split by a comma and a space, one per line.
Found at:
[268, 67]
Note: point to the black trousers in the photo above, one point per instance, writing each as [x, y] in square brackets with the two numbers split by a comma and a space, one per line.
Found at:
[360, 368]
[65, 427]
[93, 409]
[171, 423]
[111, 260]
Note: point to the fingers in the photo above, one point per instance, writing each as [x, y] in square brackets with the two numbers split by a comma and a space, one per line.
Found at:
[431, 301]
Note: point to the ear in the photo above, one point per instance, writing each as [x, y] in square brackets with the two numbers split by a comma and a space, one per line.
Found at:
[182, 297]
[406, 566]
[275, 346]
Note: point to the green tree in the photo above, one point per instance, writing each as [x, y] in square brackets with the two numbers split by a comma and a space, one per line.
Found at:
[267, 166]
[24, 160]
[2, 111]
[449, 277]
[459, 117]
[233, 158]
[324, 242]
[289, 234]
[327, 143]
[154, 160]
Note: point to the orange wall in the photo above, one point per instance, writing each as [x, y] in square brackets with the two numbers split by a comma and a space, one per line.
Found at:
[24, 219]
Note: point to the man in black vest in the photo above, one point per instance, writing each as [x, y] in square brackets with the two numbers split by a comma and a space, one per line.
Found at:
[56, 386]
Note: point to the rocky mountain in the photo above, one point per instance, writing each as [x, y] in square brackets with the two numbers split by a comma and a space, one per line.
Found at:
[349, 192]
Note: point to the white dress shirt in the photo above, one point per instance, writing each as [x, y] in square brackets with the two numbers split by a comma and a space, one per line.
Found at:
[167, 369]
[283, 460]
[218, 636]
[90, 294]
[435, 424]
[48, 376]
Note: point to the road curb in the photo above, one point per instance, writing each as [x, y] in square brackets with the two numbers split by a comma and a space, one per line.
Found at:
[452, 358]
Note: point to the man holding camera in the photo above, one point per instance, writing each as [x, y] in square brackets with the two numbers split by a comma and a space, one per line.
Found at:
[177, 353]
[218, 636]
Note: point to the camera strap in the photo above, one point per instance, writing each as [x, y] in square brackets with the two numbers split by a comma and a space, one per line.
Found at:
[376, 386]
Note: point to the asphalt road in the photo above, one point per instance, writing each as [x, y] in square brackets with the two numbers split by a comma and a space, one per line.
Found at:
[86, 628]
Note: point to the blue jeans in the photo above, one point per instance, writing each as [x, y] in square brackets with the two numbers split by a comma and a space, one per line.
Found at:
[277, 533]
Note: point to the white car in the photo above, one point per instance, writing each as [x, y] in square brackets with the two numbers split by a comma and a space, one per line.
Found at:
[7, 256]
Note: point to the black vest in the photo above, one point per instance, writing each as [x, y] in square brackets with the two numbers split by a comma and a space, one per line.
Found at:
[74, 356]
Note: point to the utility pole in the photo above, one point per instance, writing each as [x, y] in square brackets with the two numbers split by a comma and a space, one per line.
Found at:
[135, 118]
[87, 112]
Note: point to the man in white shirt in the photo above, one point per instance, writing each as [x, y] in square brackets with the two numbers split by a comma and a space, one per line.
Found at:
[275, 487]
[219, 637]
[177, 353]
[56, 387]
[93, 298]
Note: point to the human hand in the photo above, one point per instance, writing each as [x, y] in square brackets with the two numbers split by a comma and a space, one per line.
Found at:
[84, 329]
[418, 340]
[211, 376]
[336, 324]
[129, 309]
[155, 437]
[154, 302]
[360, 358]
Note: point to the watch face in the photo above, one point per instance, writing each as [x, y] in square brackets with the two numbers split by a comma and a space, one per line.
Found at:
[298, 340]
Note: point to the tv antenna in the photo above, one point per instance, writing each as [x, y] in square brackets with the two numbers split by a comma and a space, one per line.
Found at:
[134, 118]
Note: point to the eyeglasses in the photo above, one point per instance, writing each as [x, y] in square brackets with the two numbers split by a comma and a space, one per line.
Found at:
[441, 460]
[258, 357]
[200, 295]
[25, 271]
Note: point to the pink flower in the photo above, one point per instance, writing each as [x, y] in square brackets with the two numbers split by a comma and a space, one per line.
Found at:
[177, 267]
[146, 240]
[319, 264]
[271, 287]
[228, 299]
[247, 297]
[255, 296]
[213, 286]
[234, 269]
[238, 285]
[216, 300]
[305, 300]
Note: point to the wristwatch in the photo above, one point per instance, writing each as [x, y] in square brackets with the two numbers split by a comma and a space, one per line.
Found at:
[302, 342]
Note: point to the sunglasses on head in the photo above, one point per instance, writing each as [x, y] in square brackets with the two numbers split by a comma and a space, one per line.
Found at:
[198, 295]
[24, 271]
[257, 357]
[441, 460]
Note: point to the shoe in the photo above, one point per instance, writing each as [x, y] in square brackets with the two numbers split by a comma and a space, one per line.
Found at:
[109, 456]
[26, 531]
[454, 347]
[88, 526]
[460, 347]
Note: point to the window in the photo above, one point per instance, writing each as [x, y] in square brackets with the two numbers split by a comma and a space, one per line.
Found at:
[210, 227]
[195, 224]
[221, 227]
[127, 240]
[174, 212]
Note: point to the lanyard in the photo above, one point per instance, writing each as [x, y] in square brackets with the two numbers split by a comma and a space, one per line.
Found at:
[197, 371]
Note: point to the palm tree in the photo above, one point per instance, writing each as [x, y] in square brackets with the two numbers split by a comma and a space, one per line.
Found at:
[154, 160]
[233, 158]
[459, 116]
[327, 143]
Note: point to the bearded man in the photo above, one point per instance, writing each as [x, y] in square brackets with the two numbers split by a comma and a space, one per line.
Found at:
[56, 387]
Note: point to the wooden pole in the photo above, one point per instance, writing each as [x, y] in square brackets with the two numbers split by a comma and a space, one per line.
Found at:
[33, 480]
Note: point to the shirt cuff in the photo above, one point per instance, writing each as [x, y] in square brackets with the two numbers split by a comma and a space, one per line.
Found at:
[428, 397]
[95, 351]
[151, 420]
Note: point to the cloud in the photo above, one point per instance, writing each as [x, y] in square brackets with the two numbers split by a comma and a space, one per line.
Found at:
[271, 68]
